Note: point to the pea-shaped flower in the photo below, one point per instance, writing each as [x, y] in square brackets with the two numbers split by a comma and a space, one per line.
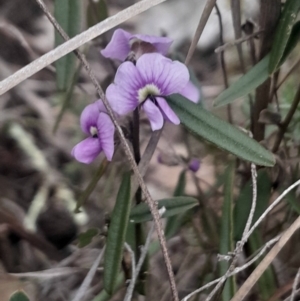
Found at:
[146, 84]
[97, 124]
[123, 42]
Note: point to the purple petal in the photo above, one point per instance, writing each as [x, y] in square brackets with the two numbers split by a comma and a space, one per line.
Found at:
[123, 94]
[194, 165]
[89, 117]
[169, 76]
[162, 44]
[106, 130]
[118, 48]
[191, 92]
[87, 150]
[153, 113]
[167, 111]
[121, 101]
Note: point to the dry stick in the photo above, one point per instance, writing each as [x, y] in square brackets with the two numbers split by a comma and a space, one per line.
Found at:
[89, 277]
[296, 281]
[136, 272]
[236, 20]
[203, 20]
[253, 278]
[238, 41]
[248, 235]
[236, 270]
[75, 43]
[151, 203]
[241, 243]
[270, 208]
[223, 65]
[284, 125]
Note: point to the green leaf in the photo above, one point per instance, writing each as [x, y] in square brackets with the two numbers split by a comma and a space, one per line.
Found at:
[292, 42]
[267, 281]
[283, 32]
[174, 222]
[173, 206]
[246, 84]
[96, 12]
[116, 236]
[104, 296]
[219, 132]
[19, 296]
[67, 14]
[226, 235]
[85, 238]
[257, 74]
[244, 201]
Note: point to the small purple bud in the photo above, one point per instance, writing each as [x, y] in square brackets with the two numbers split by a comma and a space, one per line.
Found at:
[194, 165]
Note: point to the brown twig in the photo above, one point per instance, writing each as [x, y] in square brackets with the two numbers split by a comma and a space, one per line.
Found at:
[223, 65]
[225, 46]
[236, 20]
[269, 16]
[151, 203]
[253, 278]
[202, 22]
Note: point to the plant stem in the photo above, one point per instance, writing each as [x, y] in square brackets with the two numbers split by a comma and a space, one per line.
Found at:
[284, 125]
[150, 202]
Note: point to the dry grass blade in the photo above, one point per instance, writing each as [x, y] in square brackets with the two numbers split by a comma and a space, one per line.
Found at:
[75, 43]
[203, 20]
[253, 278]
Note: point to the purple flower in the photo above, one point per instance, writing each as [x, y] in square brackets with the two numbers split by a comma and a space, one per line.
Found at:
[194, 165]
[145, 84]
[122, 43]
[97, 124]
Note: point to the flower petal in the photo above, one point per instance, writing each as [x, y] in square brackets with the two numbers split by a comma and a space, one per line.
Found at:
[191, 92]
[169, 76]
[118, 48]
[153, 113]
[168, 113]
[89, 117]
[87, 150]
[162, 44]
[121, 101]
[106, 130]
[123, 94]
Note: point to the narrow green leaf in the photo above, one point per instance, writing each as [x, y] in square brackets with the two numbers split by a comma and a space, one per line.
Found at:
[104, 296]
[173, 206]
[86, 237]
[96, 12]
[116, 236]
[226, 235]
[67, 14]
[19, 296]
[257, 74]
[246, 84]
[283, 32]
[219, 132]
[174, 222]
[244, 201]
[292, 42]
[267, 281]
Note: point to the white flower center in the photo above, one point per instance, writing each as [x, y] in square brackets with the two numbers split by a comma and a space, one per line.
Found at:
[149, 89]
[93, 131]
